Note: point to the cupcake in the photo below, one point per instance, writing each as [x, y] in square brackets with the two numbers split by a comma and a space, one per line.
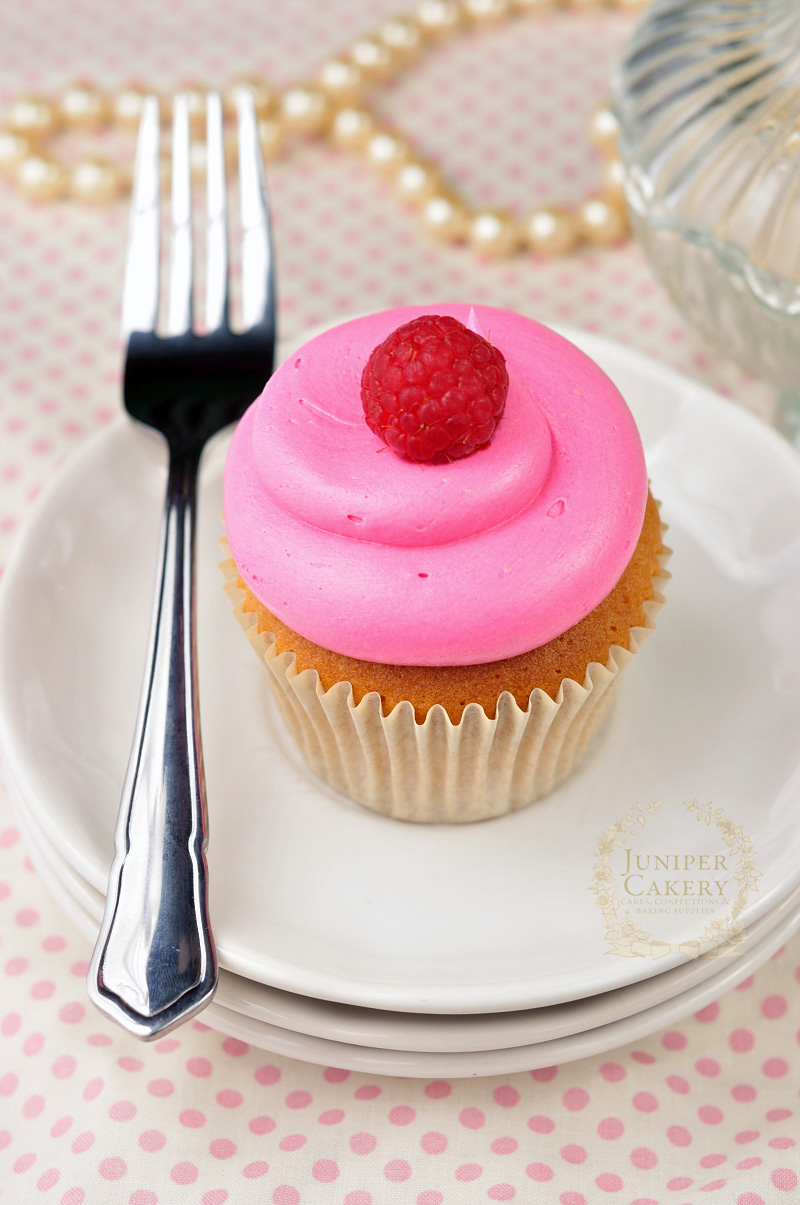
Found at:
[444, 549]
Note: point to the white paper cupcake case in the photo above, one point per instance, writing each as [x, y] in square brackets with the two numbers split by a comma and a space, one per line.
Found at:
[438, 771]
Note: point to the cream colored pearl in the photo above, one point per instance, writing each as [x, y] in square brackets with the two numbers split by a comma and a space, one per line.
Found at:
[272, 137]
[32, 115]
[230, 145]
[95, 181]
[83, 106]
[198, 155]
[265, 98]
[631, 6]
[535, 8]
[444, 217]
[603, 130]
[416, 182]
[351, 128]
[373, 58]
[487, 12]
[198, 159]
[305, 109]
[42, 178]
[342, 80]
[437, 18]
[196, 97]
[613, 179]
[551, 230]
[603, 222]
[493, 232]
[386, 151]
[195, 94]
[403, 37]
[127, 105]
[586, 6]
[13, 149]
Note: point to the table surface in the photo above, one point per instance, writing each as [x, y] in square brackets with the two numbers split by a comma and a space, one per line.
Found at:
[88, 1114]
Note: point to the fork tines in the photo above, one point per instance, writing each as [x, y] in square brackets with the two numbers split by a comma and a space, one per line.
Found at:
[140, 304]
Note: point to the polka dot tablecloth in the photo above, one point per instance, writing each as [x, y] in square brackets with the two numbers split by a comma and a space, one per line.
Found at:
[706, 1111]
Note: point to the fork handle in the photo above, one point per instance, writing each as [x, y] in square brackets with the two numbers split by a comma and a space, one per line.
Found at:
[154, 964]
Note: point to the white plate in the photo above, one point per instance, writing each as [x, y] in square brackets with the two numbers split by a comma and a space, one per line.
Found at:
[415, 1032]
[517, 1058]
[315, 895]
[527, 1057]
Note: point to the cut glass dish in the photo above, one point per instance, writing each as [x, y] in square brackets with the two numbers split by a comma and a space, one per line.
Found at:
[708, 99]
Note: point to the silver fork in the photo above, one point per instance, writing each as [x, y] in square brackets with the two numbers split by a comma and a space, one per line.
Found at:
[154, 964]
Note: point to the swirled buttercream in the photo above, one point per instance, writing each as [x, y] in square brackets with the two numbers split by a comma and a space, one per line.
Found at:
[382, 559]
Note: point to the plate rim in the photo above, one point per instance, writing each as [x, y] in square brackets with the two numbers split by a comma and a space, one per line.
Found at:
[33, 836]
[322, 1051]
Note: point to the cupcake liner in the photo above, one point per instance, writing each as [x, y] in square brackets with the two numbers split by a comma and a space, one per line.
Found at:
[438, 771]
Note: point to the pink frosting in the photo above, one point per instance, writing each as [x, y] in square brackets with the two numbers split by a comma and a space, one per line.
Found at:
[375, 557]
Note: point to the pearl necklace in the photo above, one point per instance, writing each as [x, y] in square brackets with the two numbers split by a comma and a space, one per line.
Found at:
[333, 107]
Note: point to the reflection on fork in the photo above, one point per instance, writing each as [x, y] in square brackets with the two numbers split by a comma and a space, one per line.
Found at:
[154, 964]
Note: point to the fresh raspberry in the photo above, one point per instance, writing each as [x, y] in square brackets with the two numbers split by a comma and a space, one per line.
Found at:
[433, 388]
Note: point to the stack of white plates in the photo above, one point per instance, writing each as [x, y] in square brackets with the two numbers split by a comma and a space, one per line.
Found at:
[356, 941]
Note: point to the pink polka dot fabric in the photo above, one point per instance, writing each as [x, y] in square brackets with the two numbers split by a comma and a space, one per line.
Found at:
[708, 1109]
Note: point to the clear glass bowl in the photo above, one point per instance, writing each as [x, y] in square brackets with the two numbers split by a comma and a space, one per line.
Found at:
[708, 99]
